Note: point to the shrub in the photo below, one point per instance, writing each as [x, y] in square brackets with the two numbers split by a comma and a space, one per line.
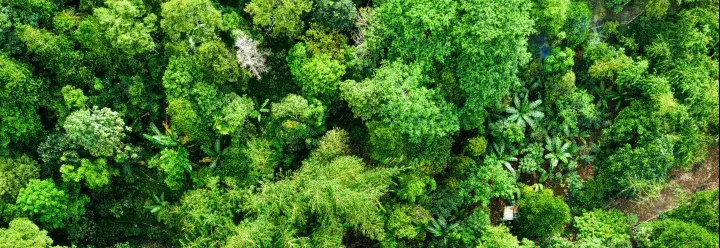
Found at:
[541, 214]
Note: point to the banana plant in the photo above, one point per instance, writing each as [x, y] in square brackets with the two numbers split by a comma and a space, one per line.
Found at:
[532, 84]
[160, 203]
[504, 157]
[525, 112]
[557, 152]
[168, 139]
[606, 94]
[262, 109]
[439, 228]
[213, 155]
[538, 187]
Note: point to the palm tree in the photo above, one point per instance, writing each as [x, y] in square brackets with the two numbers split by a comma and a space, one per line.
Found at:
[557, 151]
[525, 112]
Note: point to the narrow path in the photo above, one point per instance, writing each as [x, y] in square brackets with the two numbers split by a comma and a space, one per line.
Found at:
[681, 185]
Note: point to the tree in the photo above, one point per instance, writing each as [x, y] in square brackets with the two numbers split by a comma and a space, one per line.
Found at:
[339, 14]
[19, 93]
[295, 118]
[541, 214]
[193, 21]
[507, 132]
[251, 163]
[485, 88]
[195, 86]
[358, 123]
[14, 175]
[319, 39]
[74, 98]
[476, 146]
[532, 159]
[32, 12]
[395, 96]
[250, 55]
[285, 208]
[550, 15]
[57, 54]
[636, 170]
[204, 216]
[96, 174]
[317, 75]
[577, 25]
[65, 22]
[233, 115]
[428, 32]
[174, 164]
[574, 111]
[490, 180]
[99, 131]
[413, 187]
[218, 64]
[127, 25]
[279, 18]
[646, 146]
[407, 222]
[559, 60]
[332, 145]
[23, 233]
[185, 120]
[51, 207]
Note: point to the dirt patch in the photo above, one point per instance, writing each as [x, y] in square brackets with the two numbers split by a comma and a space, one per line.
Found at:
[586, 172]
[497, 206]
[681, 185]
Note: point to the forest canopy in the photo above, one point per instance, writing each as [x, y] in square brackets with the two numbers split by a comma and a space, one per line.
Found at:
[357, 123]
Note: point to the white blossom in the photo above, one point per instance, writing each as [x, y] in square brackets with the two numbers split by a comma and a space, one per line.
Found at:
[250, 56]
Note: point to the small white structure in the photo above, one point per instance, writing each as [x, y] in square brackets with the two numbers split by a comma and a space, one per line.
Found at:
[510, 212]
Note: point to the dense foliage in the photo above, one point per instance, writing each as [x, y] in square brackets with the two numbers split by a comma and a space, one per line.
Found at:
[333, 123]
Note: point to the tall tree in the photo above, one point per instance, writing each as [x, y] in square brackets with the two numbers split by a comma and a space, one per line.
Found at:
[279, 18]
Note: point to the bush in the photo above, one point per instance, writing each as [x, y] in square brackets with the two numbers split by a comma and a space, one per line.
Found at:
[541, 214]
[50, 206]
[23, 233]
[616, 5]
[476, 146]
[610, 227]
[500, 237]
[701, 209]
[674, 233]
[635, 170]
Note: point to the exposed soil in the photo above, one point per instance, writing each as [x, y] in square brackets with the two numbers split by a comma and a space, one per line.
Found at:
[586, 172]
[496, 206]
[681, 185]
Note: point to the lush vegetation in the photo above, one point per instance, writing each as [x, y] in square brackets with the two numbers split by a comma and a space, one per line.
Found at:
[331, 123]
